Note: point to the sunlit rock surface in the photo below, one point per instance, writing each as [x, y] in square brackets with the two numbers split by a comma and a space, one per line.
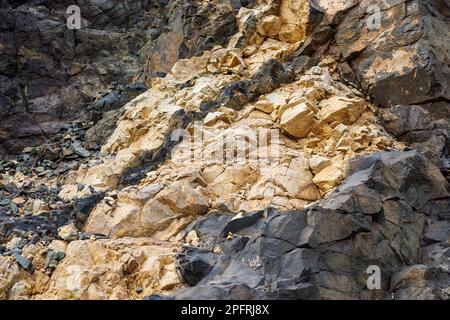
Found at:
[268, 155]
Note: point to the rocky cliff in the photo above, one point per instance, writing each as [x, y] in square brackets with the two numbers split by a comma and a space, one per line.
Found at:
[184, 149]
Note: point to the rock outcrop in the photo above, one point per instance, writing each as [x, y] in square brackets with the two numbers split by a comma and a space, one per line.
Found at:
[378, 216]
[267, 149]
[51, 75]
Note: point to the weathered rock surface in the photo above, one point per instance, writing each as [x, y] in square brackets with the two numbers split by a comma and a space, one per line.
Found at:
[403, 60]
[102, 269]
[420, 128]
[229, 149]
[377, 216]
[50, 75]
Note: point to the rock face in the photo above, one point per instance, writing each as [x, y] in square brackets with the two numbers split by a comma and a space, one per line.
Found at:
[377, 216]
[405, 53]
[298, 119]
[50, 75]
[103, 269]
[193, 28]
[421, 128]
[402, 62]
[272, 149]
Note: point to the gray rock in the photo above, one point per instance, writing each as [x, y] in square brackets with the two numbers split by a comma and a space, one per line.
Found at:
[423, 32]
[5, 201]
[324, 251]
[40, 169]
[79, 150]
[23, 262]
[98, 134]
[108, 101]
[408, 118]
[437, 231]
[53, 258]
[14, 208]
[66, 70]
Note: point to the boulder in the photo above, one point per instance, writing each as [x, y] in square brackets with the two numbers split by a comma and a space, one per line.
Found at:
[298, 19]
[340, 110]
[328, 178]
[410, 71]
[269, 26]
[298, 118]
[180, 199]
[68, 233]
[317, 163]
[169, 207]
[402, 119]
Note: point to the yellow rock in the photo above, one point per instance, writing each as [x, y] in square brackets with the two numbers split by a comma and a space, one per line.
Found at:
[68, 232]
[329, 178]
[19, 201]
[295, 17]
[70, 191]
[269, 26]
[192, 238]
[340, 110]
[298, 118]
[295, 178]
[177, 200]
[33, 206]
[317, 163]
[108, 269]
[328, 123]
[291, 33]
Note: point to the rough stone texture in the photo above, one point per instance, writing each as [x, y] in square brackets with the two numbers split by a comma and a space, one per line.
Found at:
[50, 75]
[282, 178]
[298, 119]
[378, 216]
[194, 26]
[126, 205]
[403, 61]
[103, 269]
[421, 129]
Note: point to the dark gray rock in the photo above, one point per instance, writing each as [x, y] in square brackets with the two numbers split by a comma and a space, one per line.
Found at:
[235, 95]
[408, 118]
[194, 265]
[53, 258]
[193, 27]
[23, 262]
[79, 150]
[414, 52]
[404, 68]
[437, 231]
[423, 128]
[376, 217]
[83, 207]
